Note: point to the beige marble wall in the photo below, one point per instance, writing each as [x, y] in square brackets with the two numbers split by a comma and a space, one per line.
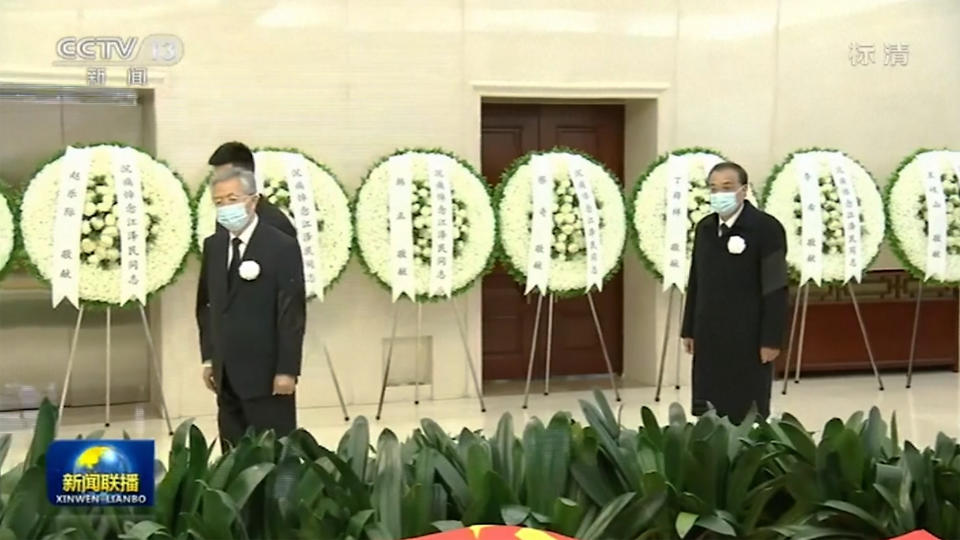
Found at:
[349, 80]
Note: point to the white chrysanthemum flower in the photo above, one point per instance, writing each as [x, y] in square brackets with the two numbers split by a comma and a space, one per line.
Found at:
[7, 231]
[334, 227]
[99, 273]
[472, 251]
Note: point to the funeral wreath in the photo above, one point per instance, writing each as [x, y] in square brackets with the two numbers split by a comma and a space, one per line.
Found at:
[923, 209]
[832, 212]
[562, 222]
[425, 224]
[667, 203]
[105, 224]
[312, 197]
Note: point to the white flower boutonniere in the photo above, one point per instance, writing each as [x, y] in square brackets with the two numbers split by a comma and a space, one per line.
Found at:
[249, 270]
[736, 245]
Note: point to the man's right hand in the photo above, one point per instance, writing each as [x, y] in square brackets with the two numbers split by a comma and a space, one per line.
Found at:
[208, 379]
[688, 345]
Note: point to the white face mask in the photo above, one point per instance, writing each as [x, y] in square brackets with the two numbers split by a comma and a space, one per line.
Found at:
[233, 217]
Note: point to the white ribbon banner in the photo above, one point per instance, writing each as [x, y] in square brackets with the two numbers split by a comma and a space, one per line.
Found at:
[931, 166]
[131, 224]
[577, 168]
[400, 171]
[808, 184]
[304, 210]
[541, 226]
[850, 207]
[441, 225]
[675, 237]
[65, 266]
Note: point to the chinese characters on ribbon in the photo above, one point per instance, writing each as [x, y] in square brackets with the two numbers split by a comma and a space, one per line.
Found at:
[936, 202]
[590, 217]
[850, 209]
[808, 184]
[131, 224]
[304, 214]
[541, 227]
[400, 179]
[65, 267]
[441, 199]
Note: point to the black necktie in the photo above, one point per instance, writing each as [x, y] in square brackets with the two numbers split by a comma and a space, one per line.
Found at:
[233, 271]
[724, 229]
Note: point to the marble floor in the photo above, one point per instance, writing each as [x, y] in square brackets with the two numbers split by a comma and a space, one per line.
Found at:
[931, 406]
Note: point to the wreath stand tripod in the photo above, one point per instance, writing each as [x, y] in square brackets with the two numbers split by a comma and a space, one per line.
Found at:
[549, 346]
[804, 290]
[666, 340]
[393, 336]
[916, 327]
[155, 367]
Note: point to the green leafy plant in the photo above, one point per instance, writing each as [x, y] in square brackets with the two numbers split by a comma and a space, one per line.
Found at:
[596, 480]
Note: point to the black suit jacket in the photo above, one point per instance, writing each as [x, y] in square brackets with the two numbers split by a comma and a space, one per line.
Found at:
[253, 331]
[273, 216]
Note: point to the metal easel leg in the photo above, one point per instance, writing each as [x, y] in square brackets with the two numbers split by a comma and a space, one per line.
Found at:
[156, 366]
[72, 355]
[466, 350]
[603, 346]
[546, 387]
[106, 411]
[803, 331]
[533, 350]
[386, 371]
[913, 339]
[866, 339]
[416, 356]
[663, 349]
[683, 309]
[793, 330]
[336, 384]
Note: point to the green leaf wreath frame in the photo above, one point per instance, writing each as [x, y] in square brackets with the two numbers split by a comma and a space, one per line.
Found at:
[204, 189]
[765, 200]
[519, 274]
[27, 262]
[10, 201]
[490, 259]
[894, 241]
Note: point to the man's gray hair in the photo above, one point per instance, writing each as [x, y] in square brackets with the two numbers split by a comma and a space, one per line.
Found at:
[247, 179]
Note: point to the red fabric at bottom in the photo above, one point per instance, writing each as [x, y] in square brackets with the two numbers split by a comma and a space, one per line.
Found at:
[495, 532]
[917, 535]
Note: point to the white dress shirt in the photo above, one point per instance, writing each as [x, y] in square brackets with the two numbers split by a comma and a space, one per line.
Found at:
[244, 239]
[728, 222]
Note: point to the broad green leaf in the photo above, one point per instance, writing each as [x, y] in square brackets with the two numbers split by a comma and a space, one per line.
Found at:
[26, 503]
[858, 513]
[685, 522]
[358, 522]
[219, 513]
[610, 421]
[547, 462]
[514, 514]
[503, 453]
[597, 529]
[717, 525]
[651, 429]
[146, 530]
[445, 526]
[43, 433]
[744, 472]
[874, 435]
[246, 482]
[7, 534]
[387, 488]
[453, 479]
[566, 516]
[677, 417]
[627, 466]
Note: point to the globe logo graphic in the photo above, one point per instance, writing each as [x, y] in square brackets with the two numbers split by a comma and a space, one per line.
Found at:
[101, 460]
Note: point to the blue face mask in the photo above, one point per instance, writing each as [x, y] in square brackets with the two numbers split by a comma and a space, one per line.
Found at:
[724, 203]
[233, 217]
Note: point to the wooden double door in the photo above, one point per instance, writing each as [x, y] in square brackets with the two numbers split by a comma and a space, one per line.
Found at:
[508, 132]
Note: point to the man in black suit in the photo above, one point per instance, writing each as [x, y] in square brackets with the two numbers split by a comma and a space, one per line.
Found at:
[236, 154]
[251, 314]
